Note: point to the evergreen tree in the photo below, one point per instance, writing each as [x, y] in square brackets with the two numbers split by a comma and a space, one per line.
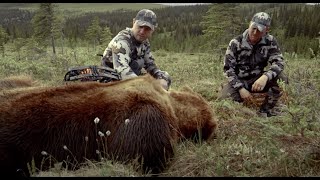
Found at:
[106, 37]
[94, 31]
[3, 40]
[45, 25]
[220, 24]
[17, 45]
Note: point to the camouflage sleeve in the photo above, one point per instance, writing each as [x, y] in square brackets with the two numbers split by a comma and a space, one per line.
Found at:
[121, 58]
[152, 68]
[230, 65]
[275, 59]
[106, 59]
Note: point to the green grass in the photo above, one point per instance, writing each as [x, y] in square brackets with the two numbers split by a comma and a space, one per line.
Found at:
[246, 144]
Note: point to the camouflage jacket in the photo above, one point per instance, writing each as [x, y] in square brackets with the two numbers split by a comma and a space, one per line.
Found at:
[244, 61]
[129, 56]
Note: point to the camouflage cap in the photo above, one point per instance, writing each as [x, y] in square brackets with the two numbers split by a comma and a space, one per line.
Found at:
[261, 20]
[146, 17]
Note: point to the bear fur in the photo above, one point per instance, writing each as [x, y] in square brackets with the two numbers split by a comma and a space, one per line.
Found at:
[13, 86]
[144, 120]
[196, 119]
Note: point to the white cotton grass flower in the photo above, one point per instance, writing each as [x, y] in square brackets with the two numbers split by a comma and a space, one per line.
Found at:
[44, 153]
[86, 138]
[97, 151]
[100, 134]
[96, 120]
[127, 121]
[65, 147]
[108, 133]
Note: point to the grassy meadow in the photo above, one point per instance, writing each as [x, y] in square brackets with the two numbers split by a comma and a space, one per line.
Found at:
[246, 144]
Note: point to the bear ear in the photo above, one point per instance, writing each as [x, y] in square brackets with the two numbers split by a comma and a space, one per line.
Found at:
[17, 81]
[186, 89]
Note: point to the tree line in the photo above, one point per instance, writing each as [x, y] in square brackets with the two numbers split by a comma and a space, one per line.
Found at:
[199, 28]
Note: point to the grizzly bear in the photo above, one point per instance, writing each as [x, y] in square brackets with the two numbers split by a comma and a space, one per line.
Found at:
[134, 119]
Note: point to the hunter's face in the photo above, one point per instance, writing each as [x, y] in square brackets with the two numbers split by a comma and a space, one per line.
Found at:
[141, 33]
[254, 34]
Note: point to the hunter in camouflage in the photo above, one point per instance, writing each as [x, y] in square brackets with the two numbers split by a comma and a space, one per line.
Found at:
[129, 51]
[246, 57]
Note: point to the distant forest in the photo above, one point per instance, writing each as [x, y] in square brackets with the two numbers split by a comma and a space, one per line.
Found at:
[187, 28]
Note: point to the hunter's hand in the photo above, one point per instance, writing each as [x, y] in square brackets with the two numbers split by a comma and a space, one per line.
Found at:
[245, 94]
[164, 84]
[260, 83]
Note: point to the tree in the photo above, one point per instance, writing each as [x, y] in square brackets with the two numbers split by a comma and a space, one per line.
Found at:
[106, 37]
[3, 39]
[17, 45]
[94, 31]
[220, 24]
[46, 25]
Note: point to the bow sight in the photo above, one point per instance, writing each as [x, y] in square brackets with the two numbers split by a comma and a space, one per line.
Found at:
[92, 73]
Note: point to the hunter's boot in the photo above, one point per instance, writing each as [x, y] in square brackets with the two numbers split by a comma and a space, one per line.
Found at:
[270, 101]
[266, 109]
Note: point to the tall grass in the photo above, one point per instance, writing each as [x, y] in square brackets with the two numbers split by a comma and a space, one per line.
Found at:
[246, 144]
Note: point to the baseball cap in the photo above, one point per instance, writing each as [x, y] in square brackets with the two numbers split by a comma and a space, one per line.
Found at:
[146, 17]
[261, 20]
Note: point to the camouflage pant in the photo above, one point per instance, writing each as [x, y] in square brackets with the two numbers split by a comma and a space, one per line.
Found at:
[272, 89]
